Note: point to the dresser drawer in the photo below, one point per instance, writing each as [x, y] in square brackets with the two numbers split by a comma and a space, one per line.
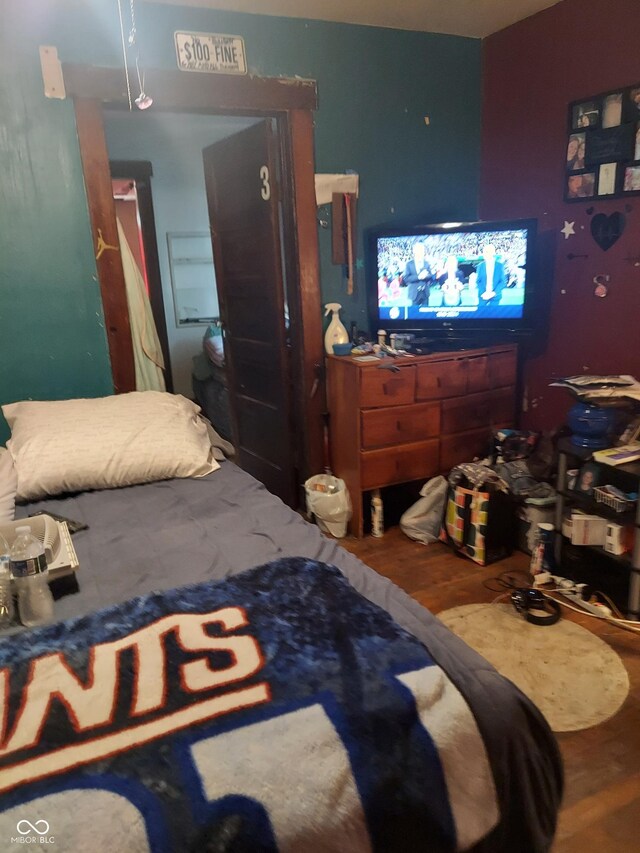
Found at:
[463, 447]
[399, 424]
[399, 464]
[476, 410]
[441, 379]
[478, 374]
[465, 413]
[502, 368]
[381, 387]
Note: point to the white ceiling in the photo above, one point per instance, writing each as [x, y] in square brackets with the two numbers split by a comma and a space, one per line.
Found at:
[473, 18]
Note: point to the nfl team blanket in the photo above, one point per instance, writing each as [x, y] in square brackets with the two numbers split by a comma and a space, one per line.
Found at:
[275, 710]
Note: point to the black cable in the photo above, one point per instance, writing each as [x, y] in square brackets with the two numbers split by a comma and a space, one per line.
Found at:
[507, 580]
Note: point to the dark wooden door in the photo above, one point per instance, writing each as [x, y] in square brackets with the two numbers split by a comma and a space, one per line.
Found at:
[242, 193]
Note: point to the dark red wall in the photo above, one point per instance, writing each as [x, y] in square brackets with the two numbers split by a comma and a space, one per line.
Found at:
[531, 72]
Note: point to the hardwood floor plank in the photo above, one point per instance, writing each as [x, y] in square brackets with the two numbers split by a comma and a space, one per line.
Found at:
[601, 808]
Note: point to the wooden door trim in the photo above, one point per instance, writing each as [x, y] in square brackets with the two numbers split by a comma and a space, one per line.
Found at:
[296, 131]
[102, 214]
[184, 92]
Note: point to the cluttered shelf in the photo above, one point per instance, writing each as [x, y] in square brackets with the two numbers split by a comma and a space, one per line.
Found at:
[623, 560]
[588, 504]
[597, 515]
[585, 454]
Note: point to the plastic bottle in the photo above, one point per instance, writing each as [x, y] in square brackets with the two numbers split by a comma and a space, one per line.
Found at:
[542, 557]
[377, 515]
[29, 568]
[336, 332]
[6, 595]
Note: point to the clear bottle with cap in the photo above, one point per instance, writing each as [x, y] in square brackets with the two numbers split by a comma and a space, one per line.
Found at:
[6, 593]
[29, 568]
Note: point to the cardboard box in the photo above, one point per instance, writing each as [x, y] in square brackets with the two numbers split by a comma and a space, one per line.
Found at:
[588, 529]
[619, 539]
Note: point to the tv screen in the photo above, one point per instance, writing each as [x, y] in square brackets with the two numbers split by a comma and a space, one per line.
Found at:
[475, 276]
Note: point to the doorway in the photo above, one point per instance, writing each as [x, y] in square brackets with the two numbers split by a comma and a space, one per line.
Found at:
[171, 144]
[290, 104]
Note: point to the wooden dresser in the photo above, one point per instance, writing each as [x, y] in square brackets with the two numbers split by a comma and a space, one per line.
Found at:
[433, 412]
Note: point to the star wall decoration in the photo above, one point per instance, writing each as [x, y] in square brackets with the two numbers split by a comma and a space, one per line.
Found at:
[568, 229]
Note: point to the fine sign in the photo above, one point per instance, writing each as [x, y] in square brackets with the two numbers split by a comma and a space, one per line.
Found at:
[212, 53]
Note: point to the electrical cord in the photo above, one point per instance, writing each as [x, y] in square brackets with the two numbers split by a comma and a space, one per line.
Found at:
[510, 580]
[621, 623]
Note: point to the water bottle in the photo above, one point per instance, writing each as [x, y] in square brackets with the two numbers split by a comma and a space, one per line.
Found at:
[6, 595]
[29, 568]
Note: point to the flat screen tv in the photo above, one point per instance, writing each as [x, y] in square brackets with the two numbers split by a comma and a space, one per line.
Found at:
[455, 280]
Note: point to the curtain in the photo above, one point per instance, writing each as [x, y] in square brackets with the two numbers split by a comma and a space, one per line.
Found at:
[147, 352]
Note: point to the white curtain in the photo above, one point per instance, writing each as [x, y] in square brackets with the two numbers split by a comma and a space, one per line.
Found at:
[146, 345]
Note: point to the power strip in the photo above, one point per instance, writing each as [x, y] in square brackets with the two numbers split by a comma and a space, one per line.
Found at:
[575, 592]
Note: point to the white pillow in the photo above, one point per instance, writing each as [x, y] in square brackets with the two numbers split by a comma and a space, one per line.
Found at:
[8, 486]
[71, 445]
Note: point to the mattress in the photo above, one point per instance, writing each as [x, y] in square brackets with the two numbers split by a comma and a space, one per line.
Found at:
[159, 536]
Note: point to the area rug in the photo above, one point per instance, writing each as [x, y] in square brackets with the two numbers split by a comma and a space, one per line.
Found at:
[573, 676]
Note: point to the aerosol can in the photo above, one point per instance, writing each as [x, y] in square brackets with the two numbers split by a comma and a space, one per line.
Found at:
[336, 332]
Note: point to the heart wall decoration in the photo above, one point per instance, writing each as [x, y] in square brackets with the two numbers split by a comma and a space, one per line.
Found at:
[607, 230]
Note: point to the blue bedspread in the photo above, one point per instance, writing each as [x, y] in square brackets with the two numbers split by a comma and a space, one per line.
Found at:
[277, 709]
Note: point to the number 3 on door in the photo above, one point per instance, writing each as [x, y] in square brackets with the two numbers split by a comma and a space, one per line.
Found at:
[265, 189]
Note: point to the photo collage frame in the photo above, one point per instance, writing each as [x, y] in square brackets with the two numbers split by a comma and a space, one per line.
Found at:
[603, 146]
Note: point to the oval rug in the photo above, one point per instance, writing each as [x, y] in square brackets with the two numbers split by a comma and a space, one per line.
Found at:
[574, 677]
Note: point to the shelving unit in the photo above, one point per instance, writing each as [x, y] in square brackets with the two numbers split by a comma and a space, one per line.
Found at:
[626, 477]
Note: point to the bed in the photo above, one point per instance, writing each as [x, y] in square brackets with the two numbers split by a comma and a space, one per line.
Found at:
[482, 768]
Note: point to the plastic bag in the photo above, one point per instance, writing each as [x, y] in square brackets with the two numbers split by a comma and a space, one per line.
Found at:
[328, 499]
[423, 520]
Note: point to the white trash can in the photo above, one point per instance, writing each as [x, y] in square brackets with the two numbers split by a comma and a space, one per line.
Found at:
[328, 500]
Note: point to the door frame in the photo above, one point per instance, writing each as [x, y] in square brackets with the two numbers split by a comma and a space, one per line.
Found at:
[292, 103]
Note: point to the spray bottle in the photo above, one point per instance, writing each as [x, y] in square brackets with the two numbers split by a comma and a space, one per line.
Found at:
[336, 333]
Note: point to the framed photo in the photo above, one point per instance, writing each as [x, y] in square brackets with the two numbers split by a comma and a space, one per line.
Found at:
[612, 143]
[631, 106]
[586, 114]
[602, 154]
[575, 151]
[588, 478]
[632, 179]
[612, 110]
[607, 178]
[581, 186]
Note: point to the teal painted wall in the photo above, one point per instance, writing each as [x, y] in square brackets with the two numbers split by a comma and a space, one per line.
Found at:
[375, 88]
[52, 338]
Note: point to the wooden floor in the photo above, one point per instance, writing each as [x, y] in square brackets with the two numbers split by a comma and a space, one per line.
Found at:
[601, 808]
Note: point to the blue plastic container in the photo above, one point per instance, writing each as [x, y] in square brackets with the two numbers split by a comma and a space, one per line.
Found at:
[591, 425]
[342, 349]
